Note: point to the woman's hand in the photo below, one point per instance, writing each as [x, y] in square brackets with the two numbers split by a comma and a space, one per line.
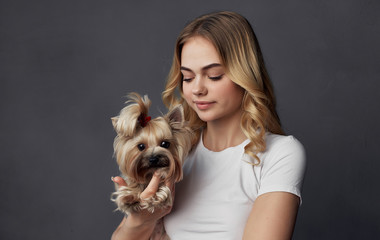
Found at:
[141, 224]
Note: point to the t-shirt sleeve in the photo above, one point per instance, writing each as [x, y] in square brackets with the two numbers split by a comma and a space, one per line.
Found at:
[284, 167]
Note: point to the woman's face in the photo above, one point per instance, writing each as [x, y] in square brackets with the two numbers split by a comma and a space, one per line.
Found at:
[206, 88]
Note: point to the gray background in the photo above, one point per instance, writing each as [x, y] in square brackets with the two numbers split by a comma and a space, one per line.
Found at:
[65, 67]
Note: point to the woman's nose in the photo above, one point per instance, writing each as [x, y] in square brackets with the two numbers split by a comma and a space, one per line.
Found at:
[199, 87]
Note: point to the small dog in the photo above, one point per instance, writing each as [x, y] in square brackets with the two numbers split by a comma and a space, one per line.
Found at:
[144, 146]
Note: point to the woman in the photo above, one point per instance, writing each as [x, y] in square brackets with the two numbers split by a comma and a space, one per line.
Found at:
[243, 178]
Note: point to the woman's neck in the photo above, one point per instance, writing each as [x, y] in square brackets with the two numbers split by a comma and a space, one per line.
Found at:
[218, 136]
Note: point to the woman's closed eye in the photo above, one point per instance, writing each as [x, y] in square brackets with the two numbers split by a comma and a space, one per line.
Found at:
[212, 77]
[215, 78]
[187, 79]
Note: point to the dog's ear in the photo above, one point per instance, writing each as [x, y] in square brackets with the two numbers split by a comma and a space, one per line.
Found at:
[114, 121]
[176, 115]
[127, 122]
[129, 119]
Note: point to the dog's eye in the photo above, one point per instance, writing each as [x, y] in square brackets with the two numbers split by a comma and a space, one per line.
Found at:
[165, 144]
[141, 146]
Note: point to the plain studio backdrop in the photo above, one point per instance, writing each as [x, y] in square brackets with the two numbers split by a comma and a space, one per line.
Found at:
[66, 66]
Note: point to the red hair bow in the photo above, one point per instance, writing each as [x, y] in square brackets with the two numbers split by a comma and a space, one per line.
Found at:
[143, 119]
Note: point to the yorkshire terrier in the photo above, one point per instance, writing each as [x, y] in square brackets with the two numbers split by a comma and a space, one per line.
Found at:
[144, 146]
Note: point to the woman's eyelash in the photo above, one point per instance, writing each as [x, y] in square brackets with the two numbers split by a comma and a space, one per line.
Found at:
[212, 78]
[216, 78]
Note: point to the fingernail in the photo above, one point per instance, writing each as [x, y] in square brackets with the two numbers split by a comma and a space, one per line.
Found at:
[112, 179]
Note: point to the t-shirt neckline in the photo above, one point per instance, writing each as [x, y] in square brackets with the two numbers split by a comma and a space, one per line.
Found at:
[232, 148]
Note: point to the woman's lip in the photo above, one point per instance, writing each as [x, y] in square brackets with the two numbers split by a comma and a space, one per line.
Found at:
[203, 105]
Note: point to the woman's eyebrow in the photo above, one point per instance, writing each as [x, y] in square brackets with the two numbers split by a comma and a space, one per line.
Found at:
[212, 65]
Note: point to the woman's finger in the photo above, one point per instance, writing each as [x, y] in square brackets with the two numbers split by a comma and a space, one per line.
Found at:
[119, 181]
[152, 187]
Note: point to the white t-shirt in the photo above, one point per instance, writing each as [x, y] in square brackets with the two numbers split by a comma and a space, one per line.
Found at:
[215, 197]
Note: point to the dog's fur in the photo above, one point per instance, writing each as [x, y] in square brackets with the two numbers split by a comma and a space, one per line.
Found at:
[143, 147]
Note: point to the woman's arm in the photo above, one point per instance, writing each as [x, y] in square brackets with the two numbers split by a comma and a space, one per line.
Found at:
[140, 225]
[129, 229]
[272, 217]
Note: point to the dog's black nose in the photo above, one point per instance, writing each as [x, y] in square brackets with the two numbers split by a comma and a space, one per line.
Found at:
[153, 160]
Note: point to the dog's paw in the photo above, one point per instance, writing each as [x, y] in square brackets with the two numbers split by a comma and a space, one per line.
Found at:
[162, 199]
[126, 199]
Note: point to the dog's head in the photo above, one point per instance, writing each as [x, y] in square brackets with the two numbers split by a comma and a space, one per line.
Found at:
[143, 145]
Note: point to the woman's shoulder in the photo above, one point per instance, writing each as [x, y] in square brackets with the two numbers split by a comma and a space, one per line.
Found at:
[279, 142]
[283, 164]
[284, 149]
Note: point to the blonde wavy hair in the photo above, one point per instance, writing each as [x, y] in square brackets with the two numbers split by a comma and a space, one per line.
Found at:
[240, 54]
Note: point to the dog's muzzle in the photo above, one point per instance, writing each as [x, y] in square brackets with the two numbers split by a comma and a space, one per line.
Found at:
[153, 160]
[157, 161]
